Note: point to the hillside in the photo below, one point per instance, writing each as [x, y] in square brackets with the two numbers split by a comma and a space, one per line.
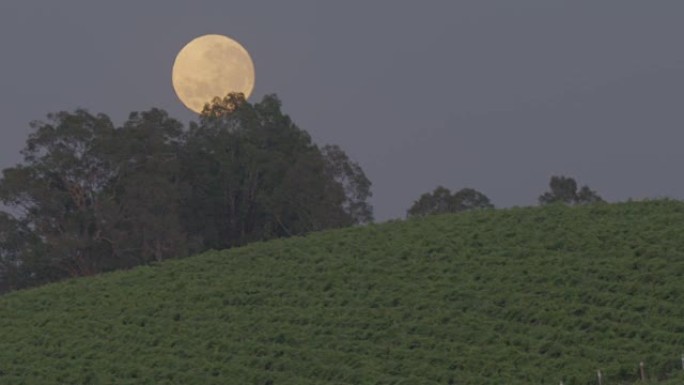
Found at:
[515, 296]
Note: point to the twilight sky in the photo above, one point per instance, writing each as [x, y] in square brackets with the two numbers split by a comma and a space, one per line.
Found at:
[497, 95]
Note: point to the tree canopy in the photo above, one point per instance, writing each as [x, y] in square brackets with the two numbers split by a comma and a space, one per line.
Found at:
[564, 190]
[442, 201]
[91, 197]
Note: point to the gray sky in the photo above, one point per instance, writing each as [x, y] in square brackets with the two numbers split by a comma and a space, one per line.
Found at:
[494, 95]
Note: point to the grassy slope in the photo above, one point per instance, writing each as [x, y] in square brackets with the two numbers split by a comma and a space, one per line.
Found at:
[516, 296]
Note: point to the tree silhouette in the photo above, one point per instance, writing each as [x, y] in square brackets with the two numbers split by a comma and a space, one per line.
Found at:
[441, 201]
[253, 175]
[91, 197]
[564, 190]
[60, 192]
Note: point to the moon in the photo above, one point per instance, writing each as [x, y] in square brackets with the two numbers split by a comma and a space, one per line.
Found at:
[211, 66]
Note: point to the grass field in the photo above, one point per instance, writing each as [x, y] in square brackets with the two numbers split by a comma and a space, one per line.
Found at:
[514, 296]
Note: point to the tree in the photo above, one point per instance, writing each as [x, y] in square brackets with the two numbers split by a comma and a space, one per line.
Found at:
[18, 244]
[470, 199]
[564, 190]
[253, 175]
[146, 192]
[441, 201]
[90, 197]
[355, 184]
[586, 195]
[226, 165]
[95, 198]
[437, 202]
[59, 189]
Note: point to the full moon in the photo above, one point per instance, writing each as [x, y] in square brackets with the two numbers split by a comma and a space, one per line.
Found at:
[211, 66]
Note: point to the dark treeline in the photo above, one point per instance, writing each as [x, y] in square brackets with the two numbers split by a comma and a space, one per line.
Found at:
[442, 201]
[90, 197]
[562, 190]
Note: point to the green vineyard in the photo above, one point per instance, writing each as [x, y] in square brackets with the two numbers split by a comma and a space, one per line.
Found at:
[514, 296]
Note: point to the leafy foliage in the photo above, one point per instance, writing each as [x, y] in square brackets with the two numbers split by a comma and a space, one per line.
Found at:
[59, 190]
[354, 183]
[17, 247]
[255, 175]
[441, 201]
[96, 198]
[564, 190]
[515, 296]
[146, 190]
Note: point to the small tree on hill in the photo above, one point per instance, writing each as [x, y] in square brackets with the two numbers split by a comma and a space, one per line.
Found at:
[442, 201]
[586, 195]
[470, 199]
[564, 190]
